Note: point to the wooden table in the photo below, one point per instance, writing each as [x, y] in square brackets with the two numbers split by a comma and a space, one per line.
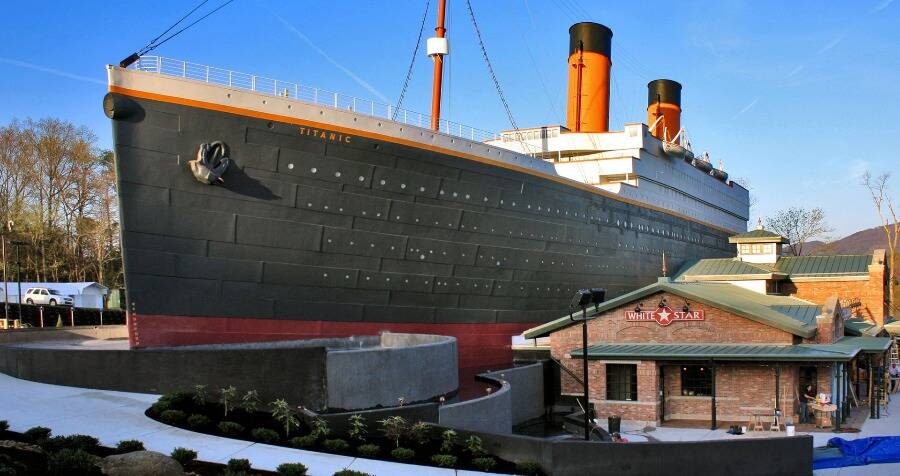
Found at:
[823, 413]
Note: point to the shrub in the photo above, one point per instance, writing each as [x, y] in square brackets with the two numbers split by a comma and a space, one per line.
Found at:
[420, 433]
[394, 428]
[198, 422]
[11, 467]
[474, 446]
[227, 396]
[284, 414]
[336, 446]
[237, 467]
[129, 446]
[485, 464]
[37, 433]
[176, 400]
[529, 468]
[444, 461]
[291, 469]
[184, 456]
[358, 430]
[250, 401]
[200, 395]
[4, 425]
[265, 435]
[231, 428]
[73, 442]
[369, 451]
[304, 441]
[448, 441]
[69, 462]
[351, 472]
[320, 428]
[403, 454]
[172, 417]
[160, 406]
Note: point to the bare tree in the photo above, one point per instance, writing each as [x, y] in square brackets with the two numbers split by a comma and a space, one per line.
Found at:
[799, 226]
[884, 205]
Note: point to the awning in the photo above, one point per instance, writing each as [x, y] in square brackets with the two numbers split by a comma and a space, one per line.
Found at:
[736, 352]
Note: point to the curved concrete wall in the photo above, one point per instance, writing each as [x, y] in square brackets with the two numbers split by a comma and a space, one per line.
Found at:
[526, 390]
[348, 373]
[491, 413]
[416, 367]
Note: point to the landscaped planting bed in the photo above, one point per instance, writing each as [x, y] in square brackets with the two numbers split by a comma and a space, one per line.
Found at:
[226, 412]
[38, 452]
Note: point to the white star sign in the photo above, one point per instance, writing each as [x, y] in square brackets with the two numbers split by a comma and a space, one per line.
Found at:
[663, 316]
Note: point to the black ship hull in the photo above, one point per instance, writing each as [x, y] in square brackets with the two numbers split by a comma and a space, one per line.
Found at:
[320, 231]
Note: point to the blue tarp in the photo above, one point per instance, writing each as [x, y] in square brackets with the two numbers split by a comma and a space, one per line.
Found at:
[874, 450]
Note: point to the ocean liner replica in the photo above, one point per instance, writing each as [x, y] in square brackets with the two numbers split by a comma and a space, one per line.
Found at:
[254, 209]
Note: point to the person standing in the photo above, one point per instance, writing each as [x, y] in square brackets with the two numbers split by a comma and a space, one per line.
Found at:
[809, 396]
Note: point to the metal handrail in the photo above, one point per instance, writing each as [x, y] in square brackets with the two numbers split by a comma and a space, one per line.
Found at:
[309, 94]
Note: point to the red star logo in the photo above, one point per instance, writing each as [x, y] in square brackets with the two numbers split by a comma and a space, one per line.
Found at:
[664, 316]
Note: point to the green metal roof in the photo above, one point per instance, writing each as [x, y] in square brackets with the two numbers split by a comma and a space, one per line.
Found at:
[861, 327]
[824, 266]
[722, 268]
[757, 307]
[704, 352]
[805, 313]
[865, 343]
[792, 267]
[756, 236]
[892, 326]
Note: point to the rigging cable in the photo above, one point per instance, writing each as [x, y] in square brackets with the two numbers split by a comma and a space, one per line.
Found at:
[149, 46]
[490, 68]
[412, 63]
[153, 45]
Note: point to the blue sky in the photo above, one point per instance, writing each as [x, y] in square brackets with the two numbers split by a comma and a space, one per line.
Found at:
[797, 97]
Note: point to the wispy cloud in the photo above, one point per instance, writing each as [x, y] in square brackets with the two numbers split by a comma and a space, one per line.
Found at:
[881, 5]
[747, 108]
[362, 82]
[831, 44]
[55, 72]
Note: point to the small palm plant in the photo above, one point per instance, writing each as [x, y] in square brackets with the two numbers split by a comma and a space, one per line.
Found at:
[200, 394]
[284, 414]
[320, 428]
[250, 401]
[394, 428]
[420, 433]
[227, 397]
[475, 446]
[358, 430]
[448, 441]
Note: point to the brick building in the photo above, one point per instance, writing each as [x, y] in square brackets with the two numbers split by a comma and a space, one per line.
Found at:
[711, 351]
[860, 280]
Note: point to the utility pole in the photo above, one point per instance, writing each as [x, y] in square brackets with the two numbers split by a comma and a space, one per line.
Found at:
[583, 298]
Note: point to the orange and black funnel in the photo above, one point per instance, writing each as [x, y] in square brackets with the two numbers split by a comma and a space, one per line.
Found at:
[664, 99]
[590, 46]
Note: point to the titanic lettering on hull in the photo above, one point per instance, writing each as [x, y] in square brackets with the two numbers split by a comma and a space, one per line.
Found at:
[664, 316]
[325, 135]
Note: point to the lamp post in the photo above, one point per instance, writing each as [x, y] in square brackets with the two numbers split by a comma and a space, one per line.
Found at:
[19, 276]
[581, 299]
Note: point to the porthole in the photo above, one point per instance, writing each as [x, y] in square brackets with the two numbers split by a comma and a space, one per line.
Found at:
[290, 166]
[314, 170]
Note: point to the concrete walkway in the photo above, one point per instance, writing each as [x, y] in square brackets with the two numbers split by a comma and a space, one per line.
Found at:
[115, 416]
[887, 425]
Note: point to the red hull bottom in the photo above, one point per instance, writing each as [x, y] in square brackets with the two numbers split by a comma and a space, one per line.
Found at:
[479, 345]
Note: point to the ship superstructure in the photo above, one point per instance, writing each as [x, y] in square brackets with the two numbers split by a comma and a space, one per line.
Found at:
[255, 209]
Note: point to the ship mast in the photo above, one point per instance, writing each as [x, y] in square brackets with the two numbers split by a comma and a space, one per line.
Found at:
[437, 48]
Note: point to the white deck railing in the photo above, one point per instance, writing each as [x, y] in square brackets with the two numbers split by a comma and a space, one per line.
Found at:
[309, 94]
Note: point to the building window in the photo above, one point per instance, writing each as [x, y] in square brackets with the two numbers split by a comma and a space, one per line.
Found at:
[696, 381]
[756, 249]
[745, 249]
[621, 382]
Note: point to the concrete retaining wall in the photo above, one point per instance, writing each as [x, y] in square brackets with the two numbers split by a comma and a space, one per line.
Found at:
[295, 374]
[350, 373]
[526, 389]
[491, 413]
[415, 367]
[738, 457]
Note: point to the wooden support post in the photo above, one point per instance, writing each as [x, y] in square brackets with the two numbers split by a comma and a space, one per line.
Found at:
[712, 368]
[871, 372]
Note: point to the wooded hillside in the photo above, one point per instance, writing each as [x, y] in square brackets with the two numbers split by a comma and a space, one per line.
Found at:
[57, 198]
